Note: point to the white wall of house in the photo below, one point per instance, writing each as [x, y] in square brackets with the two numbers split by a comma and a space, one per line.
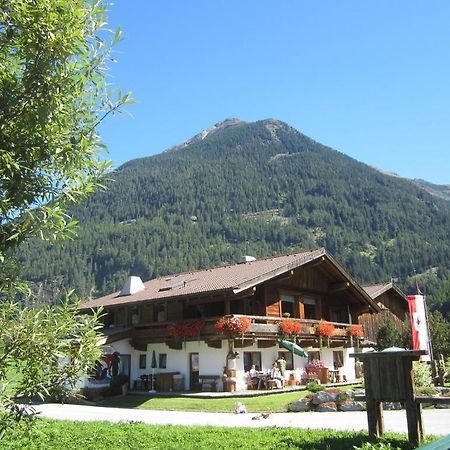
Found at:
[326, 355]
[212, 360]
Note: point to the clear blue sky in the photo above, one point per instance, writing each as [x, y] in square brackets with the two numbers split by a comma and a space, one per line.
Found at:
[368, 78]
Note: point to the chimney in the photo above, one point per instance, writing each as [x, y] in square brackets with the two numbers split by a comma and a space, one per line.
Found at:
[132, 285]
[246, 259]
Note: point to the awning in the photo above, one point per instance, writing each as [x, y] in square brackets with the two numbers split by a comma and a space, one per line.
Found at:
[293, 347]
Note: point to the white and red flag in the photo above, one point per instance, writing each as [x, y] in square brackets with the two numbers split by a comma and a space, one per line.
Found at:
[419, 325]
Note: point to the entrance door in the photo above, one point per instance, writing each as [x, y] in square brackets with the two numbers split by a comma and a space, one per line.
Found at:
[193, 371]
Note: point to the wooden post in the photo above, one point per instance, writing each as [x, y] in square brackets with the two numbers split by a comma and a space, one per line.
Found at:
[388, 377]
[375, 419]
[413, 409]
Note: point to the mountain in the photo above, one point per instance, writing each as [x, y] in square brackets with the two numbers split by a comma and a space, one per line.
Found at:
[441, 191]
[259, 189]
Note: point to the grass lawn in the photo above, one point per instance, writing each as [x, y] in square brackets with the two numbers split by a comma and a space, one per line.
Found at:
[65, 435]
[273, 402]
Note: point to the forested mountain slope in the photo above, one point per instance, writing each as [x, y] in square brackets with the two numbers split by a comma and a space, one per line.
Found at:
[239, 188]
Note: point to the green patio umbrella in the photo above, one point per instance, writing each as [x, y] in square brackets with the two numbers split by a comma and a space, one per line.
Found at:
[293, 347]
[154, 365]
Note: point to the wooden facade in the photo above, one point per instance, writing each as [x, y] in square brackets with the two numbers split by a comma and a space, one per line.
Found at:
[393, 306]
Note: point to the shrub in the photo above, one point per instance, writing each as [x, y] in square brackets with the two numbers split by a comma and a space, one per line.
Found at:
[388, 335]
[313, 386]
[117, 382]
[422, 375]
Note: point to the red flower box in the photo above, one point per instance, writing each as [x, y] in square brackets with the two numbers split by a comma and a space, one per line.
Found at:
[188, 329]
[325, 329]
[355, 331]
[290, 327]
[236, 325]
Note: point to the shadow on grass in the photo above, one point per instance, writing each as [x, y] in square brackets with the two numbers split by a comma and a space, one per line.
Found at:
[344, 442]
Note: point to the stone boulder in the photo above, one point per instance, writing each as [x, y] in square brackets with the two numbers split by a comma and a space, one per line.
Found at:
[327, 407]
[350, 405]
[324, 397]
[443, 390]
[442, 406]
[392, 406]
[302, 405]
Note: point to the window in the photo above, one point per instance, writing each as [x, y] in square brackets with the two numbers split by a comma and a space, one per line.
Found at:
[289, 359]
[338, 359]
[162, 360]
[313, 355]
[251, 358]
[288, 305]
[339, 315]
[142, 361]
[309, 308]
[162, 313]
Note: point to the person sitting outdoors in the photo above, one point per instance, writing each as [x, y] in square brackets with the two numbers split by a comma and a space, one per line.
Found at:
[99, 372]
[240, 408]
[282, 365]
[275, 375]
[253, 377]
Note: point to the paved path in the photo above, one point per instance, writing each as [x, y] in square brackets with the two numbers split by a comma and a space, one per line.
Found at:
[436, 421]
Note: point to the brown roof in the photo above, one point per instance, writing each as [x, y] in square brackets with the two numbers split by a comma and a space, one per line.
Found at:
[375, 290]
[233, 278]
[230, 279]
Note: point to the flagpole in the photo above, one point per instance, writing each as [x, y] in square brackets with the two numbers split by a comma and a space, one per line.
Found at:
[434, 369]
[430, 344]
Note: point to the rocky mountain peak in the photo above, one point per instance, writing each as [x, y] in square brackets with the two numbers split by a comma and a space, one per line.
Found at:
[219, 126]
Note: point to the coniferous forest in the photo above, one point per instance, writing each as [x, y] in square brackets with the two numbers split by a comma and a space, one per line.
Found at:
[257, 189]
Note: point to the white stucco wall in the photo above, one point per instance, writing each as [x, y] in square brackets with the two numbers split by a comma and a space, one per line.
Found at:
[212, 360]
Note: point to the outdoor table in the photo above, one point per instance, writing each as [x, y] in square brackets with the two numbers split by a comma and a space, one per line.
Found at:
[262, 381]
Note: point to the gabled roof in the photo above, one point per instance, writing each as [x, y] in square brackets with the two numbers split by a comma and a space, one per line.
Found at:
[375, 290]
[230, 279]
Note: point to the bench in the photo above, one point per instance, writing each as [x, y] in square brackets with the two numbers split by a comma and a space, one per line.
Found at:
[432, 400]
[209, 382]
[418, 399]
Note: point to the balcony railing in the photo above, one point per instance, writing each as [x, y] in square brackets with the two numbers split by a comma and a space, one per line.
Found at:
[261, 327]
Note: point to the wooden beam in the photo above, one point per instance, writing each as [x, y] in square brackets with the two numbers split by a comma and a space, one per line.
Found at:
[217, 343]
[315, 263]
[338, 287]
[282, 277]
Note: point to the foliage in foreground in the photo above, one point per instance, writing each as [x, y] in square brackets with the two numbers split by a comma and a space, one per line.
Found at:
[43, 353]
[53, 96]
[103, 435]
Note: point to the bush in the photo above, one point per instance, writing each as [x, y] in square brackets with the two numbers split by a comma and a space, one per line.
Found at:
[314, 386]
[422, 375]
[388, 335]
[117, 382]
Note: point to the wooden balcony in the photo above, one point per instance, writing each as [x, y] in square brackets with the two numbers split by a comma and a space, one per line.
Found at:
[264, 330]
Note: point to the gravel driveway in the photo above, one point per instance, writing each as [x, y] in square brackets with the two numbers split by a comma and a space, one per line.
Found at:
[436, 421]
